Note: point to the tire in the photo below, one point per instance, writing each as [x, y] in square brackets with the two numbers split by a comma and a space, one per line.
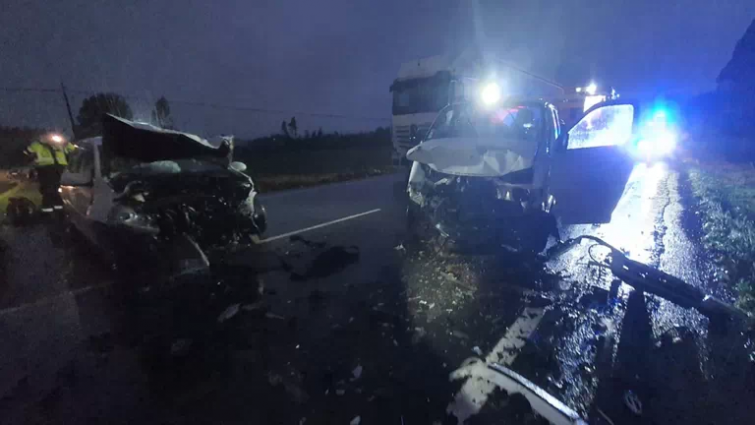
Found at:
[539, 226]
[260, 217]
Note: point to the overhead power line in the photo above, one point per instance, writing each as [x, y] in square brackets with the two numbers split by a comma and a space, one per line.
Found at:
[202, 104]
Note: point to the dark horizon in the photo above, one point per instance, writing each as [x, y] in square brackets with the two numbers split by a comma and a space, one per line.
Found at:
[336, 59]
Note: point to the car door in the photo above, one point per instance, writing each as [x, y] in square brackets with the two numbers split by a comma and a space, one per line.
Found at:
[591, 166]
[77, 182]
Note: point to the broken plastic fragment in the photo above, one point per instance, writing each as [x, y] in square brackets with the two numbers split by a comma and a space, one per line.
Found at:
[357, 372]
[632, 401]
[229, 312]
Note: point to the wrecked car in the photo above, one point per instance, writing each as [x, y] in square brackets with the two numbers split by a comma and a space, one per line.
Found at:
[141, 191]
[506, 174]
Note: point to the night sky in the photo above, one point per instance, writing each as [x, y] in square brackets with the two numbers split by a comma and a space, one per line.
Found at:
[337, 56]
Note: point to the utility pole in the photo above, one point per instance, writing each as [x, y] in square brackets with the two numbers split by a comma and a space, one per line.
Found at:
[68, 107]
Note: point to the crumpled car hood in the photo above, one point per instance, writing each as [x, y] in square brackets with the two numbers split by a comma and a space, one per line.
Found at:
[476, 157]
[147, 143]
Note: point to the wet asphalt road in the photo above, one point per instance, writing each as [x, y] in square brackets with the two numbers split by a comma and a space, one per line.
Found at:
[352, 320]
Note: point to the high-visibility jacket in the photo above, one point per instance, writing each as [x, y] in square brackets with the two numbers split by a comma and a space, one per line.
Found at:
[45, 154]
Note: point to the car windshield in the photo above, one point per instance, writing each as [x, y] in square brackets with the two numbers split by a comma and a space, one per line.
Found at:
[509, 122]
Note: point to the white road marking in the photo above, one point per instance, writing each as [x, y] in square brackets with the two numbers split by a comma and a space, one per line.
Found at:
[320, 226]
[474, 393]
[50, 299]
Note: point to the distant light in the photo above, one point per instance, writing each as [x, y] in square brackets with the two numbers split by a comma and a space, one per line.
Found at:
[591, 89]
[57, 138]
[579, 89]
[491, 94]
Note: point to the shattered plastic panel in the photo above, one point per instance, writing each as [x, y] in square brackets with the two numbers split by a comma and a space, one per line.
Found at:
[475, 157]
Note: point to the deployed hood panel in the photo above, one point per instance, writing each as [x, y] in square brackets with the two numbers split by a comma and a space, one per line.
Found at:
[147, 143]
[476, 157]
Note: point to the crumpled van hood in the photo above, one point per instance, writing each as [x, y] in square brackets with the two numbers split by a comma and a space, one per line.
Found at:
[475, 156]
[147, 143]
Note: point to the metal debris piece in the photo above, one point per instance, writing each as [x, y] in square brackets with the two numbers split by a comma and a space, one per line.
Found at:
[632, 401]
[356, 421]
[419, 333]
[357, 372]
[254, 306]
[229, 312]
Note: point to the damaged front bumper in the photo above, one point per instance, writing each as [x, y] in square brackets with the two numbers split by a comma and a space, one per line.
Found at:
[478, 210]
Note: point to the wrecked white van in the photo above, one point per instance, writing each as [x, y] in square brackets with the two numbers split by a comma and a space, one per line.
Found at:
[143, 193]
[505, 174]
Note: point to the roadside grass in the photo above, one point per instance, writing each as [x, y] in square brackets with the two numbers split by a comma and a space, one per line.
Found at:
[726, 194]
[294, 181]
[281, 170]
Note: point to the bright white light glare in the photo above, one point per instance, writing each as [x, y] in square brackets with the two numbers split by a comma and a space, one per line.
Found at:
[57, 138]
[579, 89]
[491, 93]
[591, 89]
[665, 143]
[644, 147]
[660, 145]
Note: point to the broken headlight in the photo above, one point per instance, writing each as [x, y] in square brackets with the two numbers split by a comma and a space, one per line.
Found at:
[122, 215]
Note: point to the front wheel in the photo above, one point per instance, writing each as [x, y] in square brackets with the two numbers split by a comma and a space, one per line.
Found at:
[260, 217]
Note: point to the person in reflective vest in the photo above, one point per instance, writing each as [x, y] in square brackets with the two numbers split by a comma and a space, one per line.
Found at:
[50, 155]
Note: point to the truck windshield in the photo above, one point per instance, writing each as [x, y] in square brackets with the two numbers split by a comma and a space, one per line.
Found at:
[420, 95]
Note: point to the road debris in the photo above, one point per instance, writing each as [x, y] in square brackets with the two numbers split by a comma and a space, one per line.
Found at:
[326, 263]
[460, 335]
[477, 350]
[357, 372]
[356, 421]
[292, 388]
[632, 401]
[229, 312]
[180, 347]
[274, 316]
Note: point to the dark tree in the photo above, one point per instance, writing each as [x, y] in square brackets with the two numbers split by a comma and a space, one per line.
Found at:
[307, 135]
[319, 133]
[94, 107]
[292, 126]
[738, 72]
[161, 114]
